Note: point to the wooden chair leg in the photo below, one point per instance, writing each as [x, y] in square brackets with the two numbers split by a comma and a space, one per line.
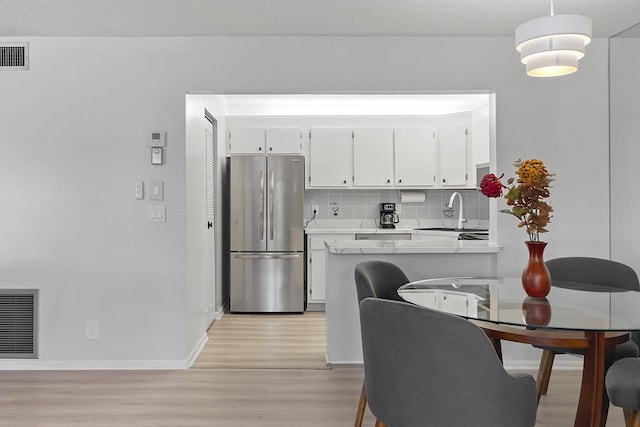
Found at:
[631, 418]
[544, 372]
[380, 424]
[362, 404]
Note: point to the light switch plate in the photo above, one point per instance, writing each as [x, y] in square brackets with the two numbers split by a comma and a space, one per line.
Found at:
[156, 213]
[139, 190]
[156, 190]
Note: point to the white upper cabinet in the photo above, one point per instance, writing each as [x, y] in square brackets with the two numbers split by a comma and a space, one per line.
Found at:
[284, 140]
[330, 157]
[416, 157]
[453, 156]
[259, 140]
[373, 157]
[247, 140]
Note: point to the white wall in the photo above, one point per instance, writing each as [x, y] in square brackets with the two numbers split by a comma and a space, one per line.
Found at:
[625, 151]
[72, 146]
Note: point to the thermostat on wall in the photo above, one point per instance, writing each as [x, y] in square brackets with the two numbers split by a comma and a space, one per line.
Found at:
[157, 138]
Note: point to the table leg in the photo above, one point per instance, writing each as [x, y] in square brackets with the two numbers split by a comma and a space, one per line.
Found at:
[589, 412]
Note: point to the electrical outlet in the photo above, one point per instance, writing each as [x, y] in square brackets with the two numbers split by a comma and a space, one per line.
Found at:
[93, 330]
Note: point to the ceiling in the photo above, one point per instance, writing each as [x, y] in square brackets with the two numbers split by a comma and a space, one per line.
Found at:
[299, 17]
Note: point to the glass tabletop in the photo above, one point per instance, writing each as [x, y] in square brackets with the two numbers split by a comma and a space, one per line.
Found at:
[569, 305]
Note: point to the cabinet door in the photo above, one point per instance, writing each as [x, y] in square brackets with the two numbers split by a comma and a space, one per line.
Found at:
[317, 284]
[416, 157]
[247, 140]
[284, 140]
[330, 157]
[453, 156]
[373, 157]
[317, 265]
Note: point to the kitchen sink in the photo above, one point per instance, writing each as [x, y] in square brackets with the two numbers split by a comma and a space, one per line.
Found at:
[467, 230]
[474, 236]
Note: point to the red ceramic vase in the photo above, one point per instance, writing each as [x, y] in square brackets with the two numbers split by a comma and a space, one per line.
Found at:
[536, 311]
[536, 279]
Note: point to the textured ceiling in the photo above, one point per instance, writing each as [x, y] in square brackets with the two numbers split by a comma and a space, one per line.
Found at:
[299, 17]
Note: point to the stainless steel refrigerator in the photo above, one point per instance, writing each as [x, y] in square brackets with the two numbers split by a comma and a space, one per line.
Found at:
[267, 236]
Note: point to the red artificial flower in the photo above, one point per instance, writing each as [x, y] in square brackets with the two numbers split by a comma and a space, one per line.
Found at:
[491, 186]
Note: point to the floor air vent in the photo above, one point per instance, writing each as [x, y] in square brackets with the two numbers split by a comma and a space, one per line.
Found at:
[18, 323]
[14, 56]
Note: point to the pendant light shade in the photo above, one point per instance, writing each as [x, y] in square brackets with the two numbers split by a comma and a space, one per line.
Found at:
[552, 45]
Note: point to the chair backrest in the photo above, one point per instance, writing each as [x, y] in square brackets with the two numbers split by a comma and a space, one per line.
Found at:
[596, 271]
[428, 368]
[379, 279]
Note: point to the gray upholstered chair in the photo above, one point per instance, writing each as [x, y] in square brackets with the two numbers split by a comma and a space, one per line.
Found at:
[427, 368]
[377, 279]
[596, 273]
[623, 388]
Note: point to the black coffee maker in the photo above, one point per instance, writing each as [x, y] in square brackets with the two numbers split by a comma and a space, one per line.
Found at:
[388, 215]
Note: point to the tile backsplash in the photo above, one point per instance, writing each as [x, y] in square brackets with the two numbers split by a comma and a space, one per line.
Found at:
[365, 204]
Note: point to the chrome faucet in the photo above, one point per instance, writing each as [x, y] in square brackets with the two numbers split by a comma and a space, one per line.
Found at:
[450, 206]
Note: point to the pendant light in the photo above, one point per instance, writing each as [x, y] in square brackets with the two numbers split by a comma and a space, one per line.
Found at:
[552, 45]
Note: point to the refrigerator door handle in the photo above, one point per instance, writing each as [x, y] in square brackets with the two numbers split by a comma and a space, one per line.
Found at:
[268, 256]
[261, 190]
[271, 204]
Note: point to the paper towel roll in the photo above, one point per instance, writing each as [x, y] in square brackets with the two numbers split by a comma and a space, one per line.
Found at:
[412, 196]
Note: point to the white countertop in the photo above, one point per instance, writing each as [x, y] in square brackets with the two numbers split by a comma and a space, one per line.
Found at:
[439, 245]
[370, 226]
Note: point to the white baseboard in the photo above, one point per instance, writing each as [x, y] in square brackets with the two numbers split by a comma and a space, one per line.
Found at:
[91, 365]
[197, 349]
[315, 306]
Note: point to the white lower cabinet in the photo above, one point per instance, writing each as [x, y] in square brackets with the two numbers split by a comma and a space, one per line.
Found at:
[317, 264]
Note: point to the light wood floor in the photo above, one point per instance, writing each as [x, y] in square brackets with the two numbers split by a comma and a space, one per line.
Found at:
[266, 341]
[225, 397]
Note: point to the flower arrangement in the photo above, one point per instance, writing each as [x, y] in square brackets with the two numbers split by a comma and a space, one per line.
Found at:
[526, 196]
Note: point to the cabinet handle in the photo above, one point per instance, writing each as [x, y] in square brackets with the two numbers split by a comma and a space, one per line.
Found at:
[259, 148]
[444, 180]
[344, 182]
[388, 181]
[270, 148]
[399, 181]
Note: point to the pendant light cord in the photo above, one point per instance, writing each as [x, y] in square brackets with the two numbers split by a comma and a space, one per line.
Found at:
[551, 7]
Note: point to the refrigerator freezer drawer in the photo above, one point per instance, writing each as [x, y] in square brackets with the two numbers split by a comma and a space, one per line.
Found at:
[267, 282]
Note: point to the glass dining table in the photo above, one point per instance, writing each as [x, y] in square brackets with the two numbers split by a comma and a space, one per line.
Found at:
[574, 315]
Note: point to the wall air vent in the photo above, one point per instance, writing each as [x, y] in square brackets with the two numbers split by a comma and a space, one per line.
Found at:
[18, 323]
[14, 56]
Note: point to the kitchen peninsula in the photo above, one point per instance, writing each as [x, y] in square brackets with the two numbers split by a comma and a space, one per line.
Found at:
[437, 255]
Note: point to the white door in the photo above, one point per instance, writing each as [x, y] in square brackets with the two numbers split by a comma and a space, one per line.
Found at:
[209, 255]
